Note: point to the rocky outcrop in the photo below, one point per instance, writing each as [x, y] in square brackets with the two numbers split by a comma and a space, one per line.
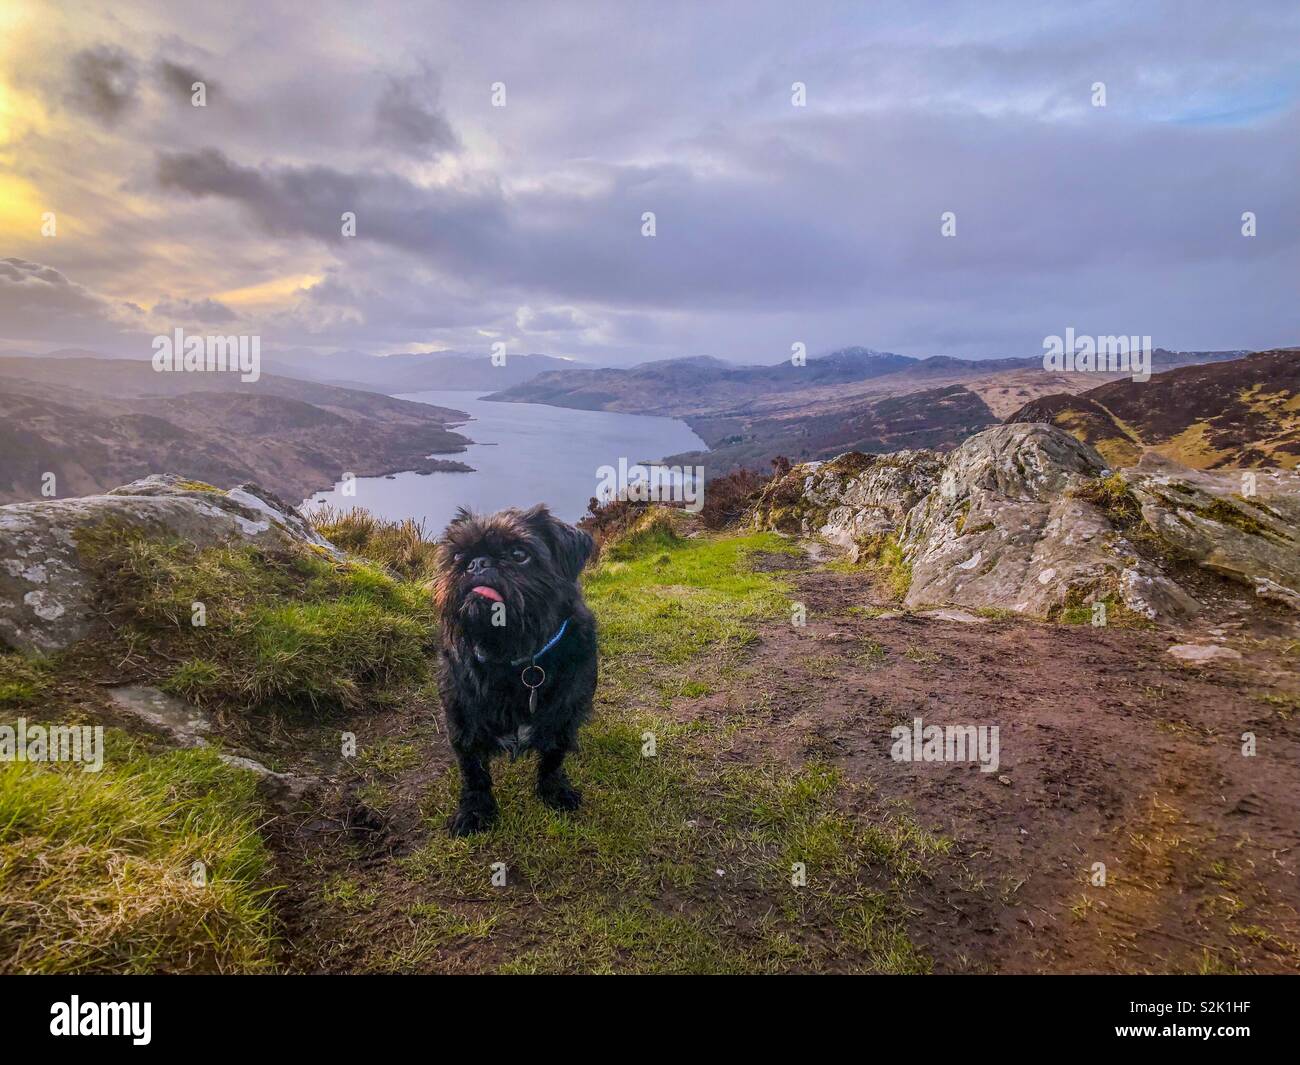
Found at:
[1005, 528]
[1025, 517]
[45, 592]
[851, 501]
[1244, 524]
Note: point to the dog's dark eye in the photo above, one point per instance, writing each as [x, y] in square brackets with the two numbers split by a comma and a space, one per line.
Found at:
[519, 555]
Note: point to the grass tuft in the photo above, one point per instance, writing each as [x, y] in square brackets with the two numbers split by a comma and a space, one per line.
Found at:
[281, 626]
[98, 873]
[403, 548]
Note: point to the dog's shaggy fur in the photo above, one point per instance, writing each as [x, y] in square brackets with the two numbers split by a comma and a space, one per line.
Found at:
[519, 569]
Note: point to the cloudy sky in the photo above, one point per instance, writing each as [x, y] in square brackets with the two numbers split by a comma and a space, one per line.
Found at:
[775, 223]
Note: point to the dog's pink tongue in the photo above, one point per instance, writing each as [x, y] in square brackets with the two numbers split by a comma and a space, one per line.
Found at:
[486, 592]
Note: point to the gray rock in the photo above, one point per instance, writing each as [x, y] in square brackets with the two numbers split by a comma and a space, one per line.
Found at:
[1002, 530]
[281, 791]
[997, 524]
[189, 726]
[852, 499]
[1203, 652]
[951, 614]
[1202, 515]
[185, 725]
[45, 593]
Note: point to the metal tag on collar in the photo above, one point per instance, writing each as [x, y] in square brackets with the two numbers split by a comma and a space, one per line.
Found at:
[532, 685]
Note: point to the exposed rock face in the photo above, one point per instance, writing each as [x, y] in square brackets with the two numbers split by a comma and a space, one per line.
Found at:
[1206, 517]
[184, 725]
[1008, 521]
[189, 726]
[45, 593]
[851, 500]
[1002, 530]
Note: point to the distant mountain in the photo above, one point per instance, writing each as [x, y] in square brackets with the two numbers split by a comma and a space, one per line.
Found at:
[61, 353]
[1244, 412]
[393, 374]
[938, 418]
[681, 387]
[120, 420]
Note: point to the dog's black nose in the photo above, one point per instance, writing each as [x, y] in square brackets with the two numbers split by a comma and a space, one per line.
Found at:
[478, 565]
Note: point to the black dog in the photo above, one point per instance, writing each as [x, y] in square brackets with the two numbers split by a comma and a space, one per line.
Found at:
[518, 651]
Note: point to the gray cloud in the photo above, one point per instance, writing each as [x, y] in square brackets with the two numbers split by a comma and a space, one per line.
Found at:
[204, 310]
[408, 119]
[102, 82]
[179, 80]
[775, 223]
[38, 302]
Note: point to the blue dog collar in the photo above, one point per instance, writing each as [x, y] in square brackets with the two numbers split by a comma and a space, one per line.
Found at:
[546, 647]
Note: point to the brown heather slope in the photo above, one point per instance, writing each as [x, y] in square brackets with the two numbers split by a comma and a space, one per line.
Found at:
[938, 418]
[1240, 413]
[98, 423]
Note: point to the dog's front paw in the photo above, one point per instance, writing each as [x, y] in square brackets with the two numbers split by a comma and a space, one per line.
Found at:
[473, 815]
[558, 793]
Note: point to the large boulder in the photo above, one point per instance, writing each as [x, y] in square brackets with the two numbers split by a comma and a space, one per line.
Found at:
[1025, 517]
[45, 591]
[853, 500]
[1244, 524]
[1010, 526]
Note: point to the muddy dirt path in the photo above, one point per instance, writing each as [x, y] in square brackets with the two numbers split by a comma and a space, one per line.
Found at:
[1111, 751]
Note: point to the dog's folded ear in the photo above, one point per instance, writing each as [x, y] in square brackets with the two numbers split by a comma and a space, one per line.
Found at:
[462, 515]
[572, 548]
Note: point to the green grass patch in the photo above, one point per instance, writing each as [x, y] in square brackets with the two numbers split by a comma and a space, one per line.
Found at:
[279, 626]
[98, 873]
[1112, 496]
[685, 861]
[1225, 513]
[678, 863]
[403, 548]
[669, 598]
[24, 679]
[1076, 609]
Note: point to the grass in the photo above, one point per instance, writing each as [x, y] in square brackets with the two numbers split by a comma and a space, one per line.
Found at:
[284, 627]
[685, 861]
[1076, 609]
[24, 679]
[1224, 513]
[402, 548]
[97, 870]
[1114, 498]
[665, 598]
[680, 862]
[882, 556]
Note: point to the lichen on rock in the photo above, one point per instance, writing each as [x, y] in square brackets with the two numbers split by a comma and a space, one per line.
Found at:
[1025, 517]
[45, 588]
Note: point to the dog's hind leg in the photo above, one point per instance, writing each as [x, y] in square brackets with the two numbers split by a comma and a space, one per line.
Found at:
[477, 809]
[553, 786]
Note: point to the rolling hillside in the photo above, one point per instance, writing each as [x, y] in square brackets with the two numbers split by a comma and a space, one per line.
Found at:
[1240, 413]
[117, 417]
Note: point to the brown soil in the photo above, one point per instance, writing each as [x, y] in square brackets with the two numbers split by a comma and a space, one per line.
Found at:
[1111, 751]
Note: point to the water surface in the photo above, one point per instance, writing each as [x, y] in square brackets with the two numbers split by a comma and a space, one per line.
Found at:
[523, 453]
